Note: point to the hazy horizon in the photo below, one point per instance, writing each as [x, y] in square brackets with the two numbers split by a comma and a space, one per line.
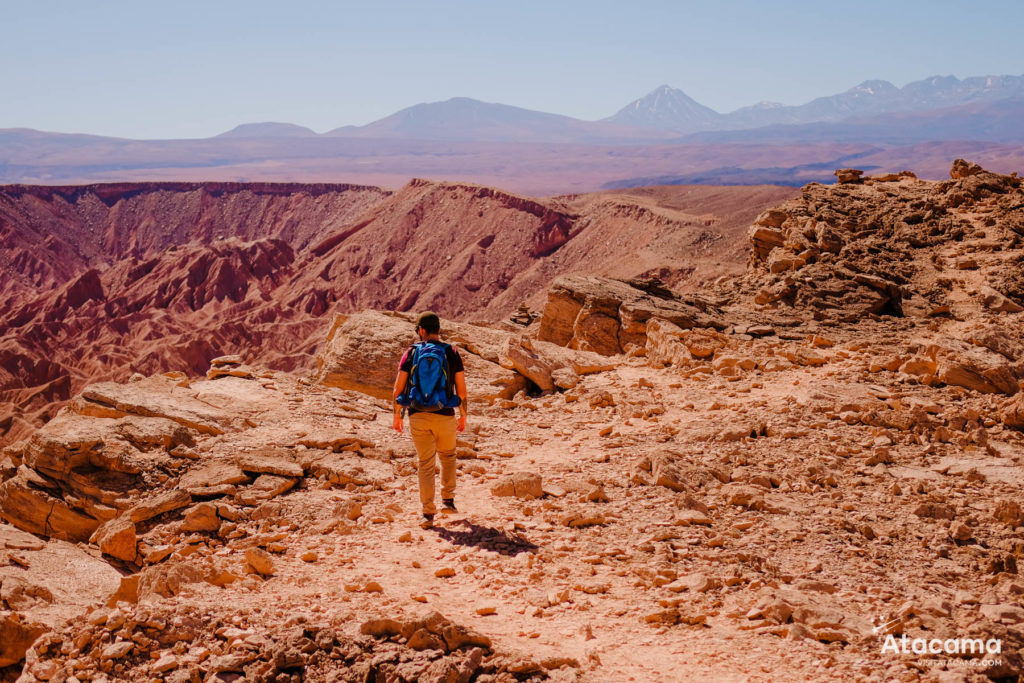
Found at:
[140, 72]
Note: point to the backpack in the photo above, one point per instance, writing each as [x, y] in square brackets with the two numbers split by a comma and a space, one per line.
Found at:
[431, 386]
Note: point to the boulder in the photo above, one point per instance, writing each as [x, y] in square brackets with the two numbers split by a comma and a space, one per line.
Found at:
[16, 636]
[999, 339]
[270, 461]
[82, 470]
[565, 378]
[848, 175]
[265, 487]
[780, 261]
[159, 504]
[520, 485]
[548, 365]
[920, 366]
[609, 317]
[243, 371]
[71, 441]
[456, 636]
[201, 517]
[212, 474]
[363, 351]
[979, 370]
[1009, 513]
[425, 640]
[964, 169]
[772, 218]
[676, 472]
[528, 485]
[668, 344]
[117, 538]
[665, 471]
[347, 468]
[163, 580]
[381, 628]
[30, 502]
[765, 239]
[260, 561]
[996, 301]
[146, 433]
[153, 397]
[1011, 412]
[487, 343]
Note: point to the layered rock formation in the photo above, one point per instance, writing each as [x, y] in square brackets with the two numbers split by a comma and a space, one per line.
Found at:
[52, 234]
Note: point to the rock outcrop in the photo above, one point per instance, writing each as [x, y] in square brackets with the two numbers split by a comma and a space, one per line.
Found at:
[609, 317]
[94, 461]
[119, 461]
[890, 246]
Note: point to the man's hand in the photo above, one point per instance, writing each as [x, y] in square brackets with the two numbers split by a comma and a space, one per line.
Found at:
[462, 424]
[399, 424]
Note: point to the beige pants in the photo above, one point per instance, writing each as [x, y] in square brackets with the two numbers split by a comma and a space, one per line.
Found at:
[434, 434]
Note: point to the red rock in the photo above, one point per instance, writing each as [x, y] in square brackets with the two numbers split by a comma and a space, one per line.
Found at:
[16, 635]
[117, 538]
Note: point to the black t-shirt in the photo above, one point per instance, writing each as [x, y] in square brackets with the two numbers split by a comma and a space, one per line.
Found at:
[454, 366]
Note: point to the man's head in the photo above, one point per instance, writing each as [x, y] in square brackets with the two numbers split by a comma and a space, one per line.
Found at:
[429, 323]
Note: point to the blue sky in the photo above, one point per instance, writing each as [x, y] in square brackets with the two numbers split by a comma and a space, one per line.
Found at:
[194, 69]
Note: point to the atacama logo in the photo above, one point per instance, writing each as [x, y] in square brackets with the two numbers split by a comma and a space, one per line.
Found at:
[936, 646]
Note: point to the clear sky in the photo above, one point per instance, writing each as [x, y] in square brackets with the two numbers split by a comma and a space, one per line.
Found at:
[144, 69]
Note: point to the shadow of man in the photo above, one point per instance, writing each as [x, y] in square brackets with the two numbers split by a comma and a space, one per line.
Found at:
[486, 538]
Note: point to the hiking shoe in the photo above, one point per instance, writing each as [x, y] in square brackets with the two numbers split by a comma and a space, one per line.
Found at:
[428, 520]
[448, 505]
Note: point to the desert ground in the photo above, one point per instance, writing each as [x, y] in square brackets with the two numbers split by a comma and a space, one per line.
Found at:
[803, 466]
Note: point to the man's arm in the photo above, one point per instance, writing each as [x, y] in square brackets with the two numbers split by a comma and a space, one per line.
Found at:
[460, 389]
[400, 381]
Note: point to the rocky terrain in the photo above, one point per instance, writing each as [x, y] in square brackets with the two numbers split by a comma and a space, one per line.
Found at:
[107, 280]
[774, 477]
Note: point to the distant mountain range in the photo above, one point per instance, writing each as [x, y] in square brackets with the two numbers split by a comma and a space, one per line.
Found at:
[670, 109]
[462, 118]
[665, 137]
[667, 113]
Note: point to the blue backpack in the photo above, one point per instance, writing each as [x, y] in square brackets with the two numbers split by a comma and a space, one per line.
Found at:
[431, 385]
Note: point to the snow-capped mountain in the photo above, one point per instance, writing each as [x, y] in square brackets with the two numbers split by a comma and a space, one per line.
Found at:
[667, 108]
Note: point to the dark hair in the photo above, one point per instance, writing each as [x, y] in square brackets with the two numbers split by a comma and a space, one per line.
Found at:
[430, 323]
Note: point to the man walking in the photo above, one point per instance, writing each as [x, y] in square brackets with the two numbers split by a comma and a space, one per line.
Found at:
[431, 383]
